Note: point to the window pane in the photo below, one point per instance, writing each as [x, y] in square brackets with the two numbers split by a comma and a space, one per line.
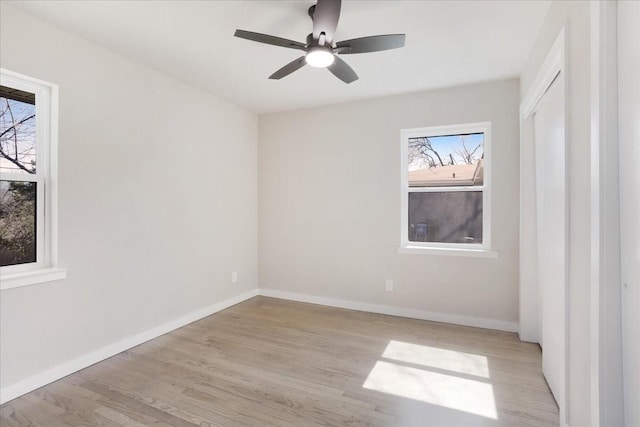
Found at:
[448, 160]
[17, 222]
[447, 217]
[17, 131]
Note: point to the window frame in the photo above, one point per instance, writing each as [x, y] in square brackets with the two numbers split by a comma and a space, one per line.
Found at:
[440, 248]
[45, 268]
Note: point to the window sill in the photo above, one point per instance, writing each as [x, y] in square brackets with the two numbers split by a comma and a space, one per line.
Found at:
[473, 253]
[26, 278]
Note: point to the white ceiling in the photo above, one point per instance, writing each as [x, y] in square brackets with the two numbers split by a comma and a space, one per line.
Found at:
[448, 43]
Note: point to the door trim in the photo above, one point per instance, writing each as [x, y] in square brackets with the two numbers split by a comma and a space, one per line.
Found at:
[605, 278]
[530, 323]
[552, 65]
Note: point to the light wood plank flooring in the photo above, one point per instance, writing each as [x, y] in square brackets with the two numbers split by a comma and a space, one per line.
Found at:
[271, 362]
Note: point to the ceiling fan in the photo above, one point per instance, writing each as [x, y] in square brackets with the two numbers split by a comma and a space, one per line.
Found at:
[320, 51]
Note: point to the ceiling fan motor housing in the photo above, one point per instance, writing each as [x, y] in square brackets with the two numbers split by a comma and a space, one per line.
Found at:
[321, 42]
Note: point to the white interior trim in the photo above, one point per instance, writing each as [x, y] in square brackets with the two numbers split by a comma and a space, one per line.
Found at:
[461, 252]
[46, 267]
[596, 213]
[477, 322]
[555, 63]
[25, 386]
[26, 278]
[606, 305]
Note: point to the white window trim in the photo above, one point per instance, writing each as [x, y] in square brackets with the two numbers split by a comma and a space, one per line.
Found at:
[482, 250]
[46, 268]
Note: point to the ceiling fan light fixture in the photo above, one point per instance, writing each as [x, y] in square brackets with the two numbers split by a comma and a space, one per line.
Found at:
[319, 57]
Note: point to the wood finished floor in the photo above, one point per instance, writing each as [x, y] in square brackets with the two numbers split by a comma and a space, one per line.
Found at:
[271, 362]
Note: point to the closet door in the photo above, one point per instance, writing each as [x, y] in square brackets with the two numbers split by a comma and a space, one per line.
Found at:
[551, 213]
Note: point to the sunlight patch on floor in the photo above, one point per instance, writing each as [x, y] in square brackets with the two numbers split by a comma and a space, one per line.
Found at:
[432, 357]
[436, 376]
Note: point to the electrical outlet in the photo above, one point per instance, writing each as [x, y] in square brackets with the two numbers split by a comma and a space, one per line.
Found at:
[388, 285]
[234, 277]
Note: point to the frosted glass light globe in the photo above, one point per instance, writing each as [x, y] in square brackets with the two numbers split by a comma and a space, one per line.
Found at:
[319, 57]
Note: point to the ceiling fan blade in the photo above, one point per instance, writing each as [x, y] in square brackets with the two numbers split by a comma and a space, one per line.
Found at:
[288, 69]
[342, 70]
[370, 44]
[272, 40]
[325, 19]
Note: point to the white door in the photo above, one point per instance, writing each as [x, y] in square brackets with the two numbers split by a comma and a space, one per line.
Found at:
[629, 143]
[551, 234]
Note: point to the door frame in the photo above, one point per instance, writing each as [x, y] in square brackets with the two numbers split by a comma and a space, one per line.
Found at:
[530, 321]
[605, 278]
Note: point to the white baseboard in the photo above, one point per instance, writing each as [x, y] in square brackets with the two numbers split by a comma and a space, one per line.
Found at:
[25, 386]
[499, 325]
[528, 337]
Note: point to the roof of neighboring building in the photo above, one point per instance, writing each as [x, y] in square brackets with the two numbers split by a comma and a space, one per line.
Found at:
[450, 175]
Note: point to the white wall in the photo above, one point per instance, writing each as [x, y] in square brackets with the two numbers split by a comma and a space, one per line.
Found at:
[329, 204]
[157, 202]
[629, 116]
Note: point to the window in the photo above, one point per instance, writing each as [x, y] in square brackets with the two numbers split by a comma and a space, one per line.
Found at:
[28, 110]
[445, 189]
